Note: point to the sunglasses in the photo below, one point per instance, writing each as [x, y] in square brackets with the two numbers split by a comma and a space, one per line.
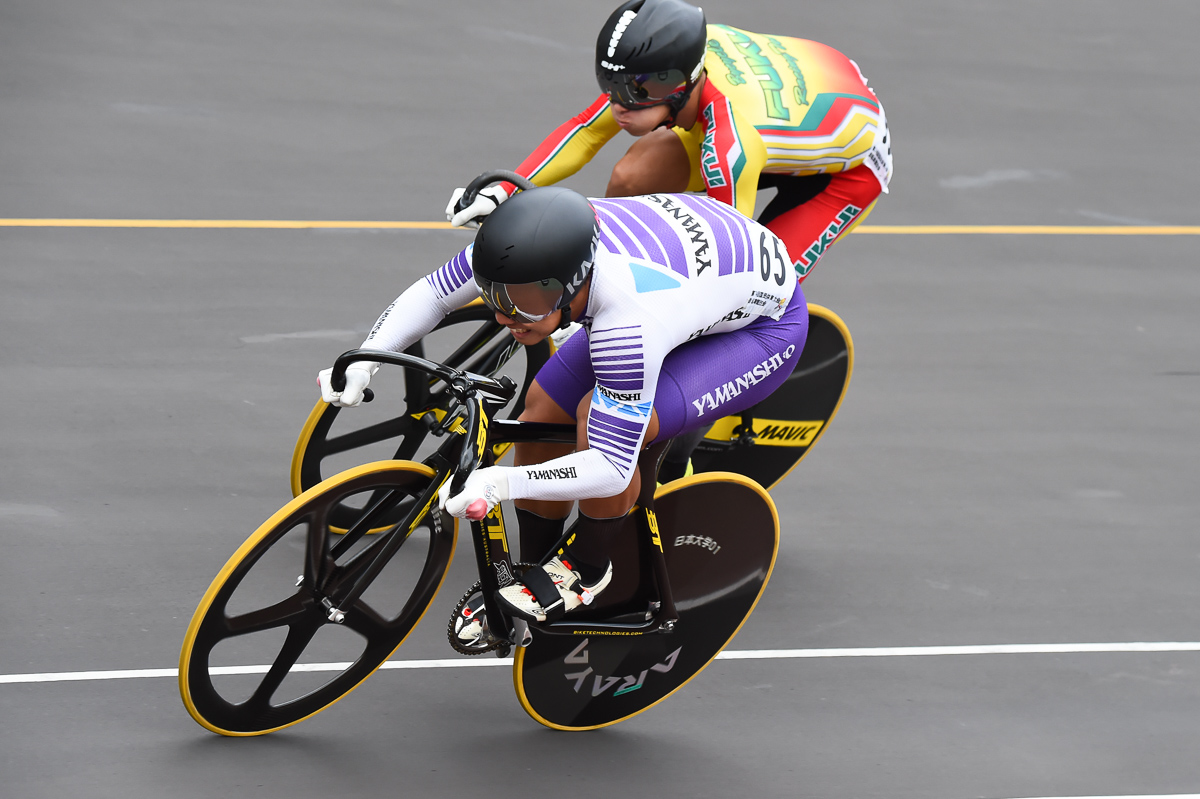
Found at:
[644, 90]
[528, 302]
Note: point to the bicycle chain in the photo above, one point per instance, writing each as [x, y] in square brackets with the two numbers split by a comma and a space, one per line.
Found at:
[452, 637]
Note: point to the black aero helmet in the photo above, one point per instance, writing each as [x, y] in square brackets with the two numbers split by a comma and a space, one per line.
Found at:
[535, 252]
[651, 52]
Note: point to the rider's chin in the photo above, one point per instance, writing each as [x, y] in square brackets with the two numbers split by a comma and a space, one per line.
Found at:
[523, 334]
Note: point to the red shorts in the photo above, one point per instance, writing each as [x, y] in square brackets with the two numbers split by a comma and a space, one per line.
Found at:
[813, 211]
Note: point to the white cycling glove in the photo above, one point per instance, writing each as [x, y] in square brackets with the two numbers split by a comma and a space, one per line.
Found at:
[358, 375]
[484, 490]
[487, 200]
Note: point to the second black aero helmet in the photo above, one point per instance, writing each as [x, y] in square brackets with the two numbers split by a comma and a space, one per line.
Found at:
[651, 52]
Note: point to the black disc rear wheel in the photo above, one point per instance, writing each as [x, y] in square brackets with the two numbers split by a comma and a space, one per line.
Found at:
[720, 535]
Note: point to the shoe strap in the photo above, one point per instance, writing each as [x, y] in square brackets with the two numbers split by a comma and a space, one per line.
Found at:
[542, 586]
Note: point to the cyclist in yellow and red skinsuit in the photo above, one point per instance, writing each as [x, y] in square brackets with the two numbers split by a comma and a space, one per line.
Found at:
[726, 111]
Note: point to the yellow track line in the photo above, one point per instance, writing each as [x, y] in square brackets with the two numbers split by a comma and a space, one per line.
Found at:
[886, 230]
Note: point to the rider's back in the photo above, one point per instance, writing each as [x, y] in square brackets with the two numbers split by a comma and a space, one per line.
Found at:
[809, 103]
[685, 266]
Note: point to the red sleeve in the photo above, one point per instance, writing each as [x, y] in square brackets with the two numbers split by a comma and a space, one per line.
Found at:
[570, 146]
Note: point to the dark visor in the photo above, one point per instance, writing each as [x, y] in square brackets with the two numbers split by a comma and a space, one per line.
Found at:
[644, 90]
[531, 302]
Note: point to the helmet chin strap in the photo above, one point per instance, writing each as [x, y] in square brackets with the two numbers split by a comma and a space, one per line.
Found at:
[676, 106]
[565, 321]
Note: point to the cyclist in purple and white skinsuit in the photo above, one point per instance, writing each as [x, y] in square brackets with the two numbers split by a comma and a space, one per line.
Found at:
[691, 311]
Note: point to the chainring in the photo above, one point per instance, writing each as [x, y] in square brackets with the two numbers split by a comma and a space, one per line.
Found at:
[494, 642]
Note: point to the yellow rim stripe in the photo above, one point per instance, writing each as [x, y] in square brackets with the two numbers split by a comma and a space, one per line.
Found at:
[886, 230]
[268, 527]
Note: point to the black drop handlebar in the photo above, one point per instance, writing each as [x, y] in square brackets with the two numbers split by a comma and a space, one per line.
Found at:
[463, 386]
[461, 383]
[489, 177]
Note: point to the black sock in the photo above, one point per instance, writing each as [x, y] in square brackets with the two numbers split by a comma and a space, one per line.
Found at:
[675, 462]
[587, 548]
[537, 534]
[671, 470]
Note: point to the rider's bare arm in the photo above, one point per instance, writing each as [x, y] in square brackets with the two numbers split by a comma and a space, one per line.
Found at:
[627, 351]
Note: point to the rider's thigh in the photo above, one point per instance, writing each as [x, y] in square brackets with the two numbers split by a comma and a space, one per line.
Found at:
[724, 374]
[656, 163]
[811, 227]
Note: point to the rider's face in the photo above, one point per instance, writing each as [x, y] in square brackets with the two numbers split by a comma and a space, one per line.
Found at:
[641, 121]
[529, 333]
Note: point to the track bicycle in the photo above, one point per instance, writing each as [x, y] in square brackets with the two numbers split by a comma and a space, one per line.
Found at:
[764, 443]
[689, 566]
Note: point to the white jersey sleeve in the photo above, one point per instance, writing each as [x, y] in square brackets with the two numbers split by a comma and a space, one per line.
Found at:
[425, 303]
[627, 355]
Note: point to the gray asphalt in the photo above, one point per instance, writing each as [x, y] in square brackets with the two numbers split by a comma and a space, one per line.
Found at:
[1016, 460]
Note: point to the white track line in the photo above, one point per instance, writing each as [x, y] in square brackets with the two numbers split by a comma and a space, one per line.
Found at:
[743, 654]
[1131, 796]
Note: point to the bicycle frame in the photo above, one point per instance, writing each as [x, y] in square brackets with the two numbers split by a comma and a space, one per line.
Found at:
[476, 436]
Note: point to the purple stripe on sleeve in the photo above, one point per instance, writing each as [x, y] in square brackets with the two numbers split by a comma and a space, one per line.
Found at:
[462, 272]
[739, 250]
[619, 371]
[438, 282]
[625, 351]
[617, 360]
[619, 463]
[624, 357]
[628, 425]
[615, 438]
[597, 440]
[451, 276]
[621, 448]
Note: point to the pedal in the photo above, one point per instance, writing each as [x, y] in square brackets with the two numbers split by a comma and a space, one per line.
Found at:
[467, 631]
[521, 633]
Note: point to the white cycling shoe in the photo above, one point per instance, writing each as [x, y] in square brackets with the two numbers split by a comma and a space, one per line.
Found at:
[470, 625]
[547, 592]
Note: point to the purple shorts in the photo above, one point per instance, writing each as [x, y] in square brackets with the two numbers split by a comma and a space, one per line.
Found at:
[701, 380]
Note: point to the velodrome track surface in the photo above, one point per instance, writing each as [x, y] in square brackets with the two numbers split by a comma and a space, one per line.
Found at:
[1015, 464]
